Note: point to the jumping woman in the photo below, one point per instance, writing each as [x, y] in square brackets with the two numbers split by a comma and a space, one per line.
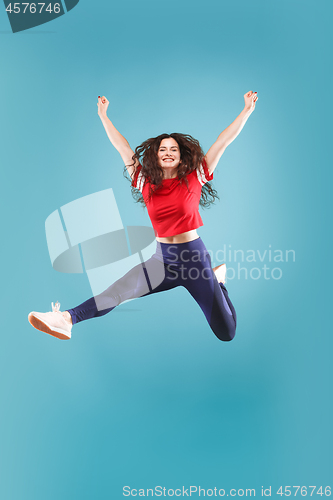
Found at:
[170, 175]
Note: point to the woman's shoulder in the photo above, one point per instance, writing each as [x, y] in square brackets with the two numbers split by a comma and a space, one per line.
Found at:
[138, 179]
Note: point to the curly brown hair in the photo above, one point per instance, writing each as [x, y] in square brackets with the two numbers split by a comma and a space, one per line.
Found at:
[191, 155]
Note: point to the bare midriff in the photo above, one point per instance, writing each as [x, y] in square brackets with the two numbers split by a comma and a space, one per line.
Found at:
[180, 238]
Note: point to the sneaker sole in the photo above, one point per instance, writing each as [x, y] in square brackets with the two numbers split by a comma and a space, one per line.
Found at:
[44, 327]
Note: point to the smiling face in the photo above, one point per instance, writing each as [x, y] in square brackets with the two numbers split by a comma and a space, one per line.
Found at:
[169, 154]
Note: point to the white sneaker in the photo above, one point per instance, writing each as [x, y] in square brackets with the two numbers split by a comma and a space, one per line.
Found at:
[52, 323]
[220, 272]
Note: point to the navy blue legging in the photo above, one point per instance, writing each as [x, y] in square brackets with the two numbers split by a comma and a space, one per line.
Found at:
[182, 264]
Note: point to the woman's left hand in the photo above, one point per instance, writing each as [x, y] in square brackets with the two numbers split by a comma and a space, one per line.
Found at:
[250, 99]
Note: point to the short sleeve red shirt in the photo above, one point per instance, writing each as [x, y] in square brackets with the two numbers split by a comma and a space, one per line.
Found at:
[173, 208]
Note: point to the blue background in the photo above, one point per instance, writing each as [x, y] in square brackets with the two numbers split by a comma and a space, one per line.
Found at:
[147, 395]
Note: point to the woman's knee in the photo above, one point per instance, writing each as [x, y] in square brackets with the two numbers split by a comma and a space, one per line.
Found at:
[227, 333]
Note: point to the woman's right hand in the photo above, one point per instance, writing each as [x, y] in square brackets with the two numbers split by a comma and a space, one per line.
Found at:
[102, 105]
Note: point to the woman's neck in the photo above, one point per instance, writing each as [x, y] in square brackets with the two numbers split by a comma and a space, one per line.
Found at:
[170, 174]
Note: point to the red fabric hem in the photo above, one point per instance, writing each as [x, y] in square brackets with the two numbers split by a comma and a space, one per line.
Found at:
[208, 176]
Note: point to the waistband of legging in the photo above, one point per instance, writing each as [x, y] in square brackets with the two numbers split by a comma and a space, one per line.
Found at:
[173, 252]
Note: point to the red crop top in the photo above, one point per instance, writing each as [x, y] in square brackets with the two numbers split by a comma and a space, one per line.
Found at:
[174, 208]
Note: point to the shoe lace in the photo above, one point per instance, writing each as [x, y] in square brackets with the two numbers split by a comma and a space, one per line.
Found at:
[56, 307]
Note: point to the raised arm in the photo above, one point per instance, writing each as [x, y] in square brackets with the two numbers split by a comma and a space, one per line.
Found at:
[117, 140]
[230, 133]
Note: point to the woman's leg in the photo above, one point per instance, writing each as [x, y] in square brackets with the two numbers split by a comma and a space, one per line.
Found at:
[212, 297]
[144, 279]
[190, 264]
